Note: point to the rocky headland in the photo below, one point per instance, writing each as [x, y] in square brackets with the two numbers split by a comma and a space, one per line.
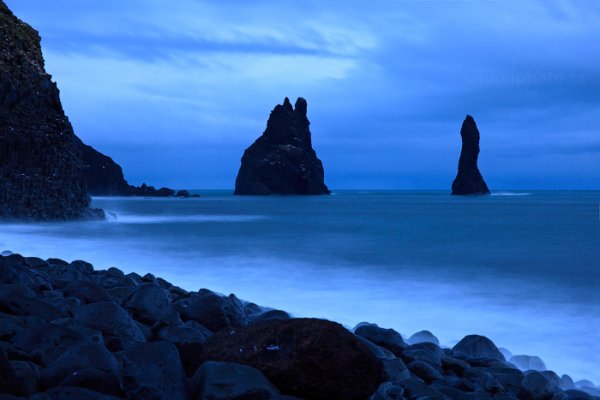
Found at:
[469, 179]
[41, 167]
[282, 160]
[68, 331]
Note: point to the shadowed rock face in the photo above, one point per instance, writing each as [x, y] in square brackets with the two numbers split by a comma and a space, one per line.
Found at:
[40, 163]
[282, 160]
[469, 179]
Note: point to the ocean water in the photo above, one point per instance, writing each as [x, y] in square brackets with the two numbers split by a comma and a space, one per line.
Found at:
[522, 268]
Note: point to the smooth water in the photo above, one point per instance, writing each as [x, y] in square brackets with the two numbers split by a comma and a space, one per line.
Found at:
[520, 268]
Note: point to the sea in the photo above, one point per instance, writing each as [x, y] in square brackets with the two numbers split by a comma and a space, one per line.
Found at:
[520, 267]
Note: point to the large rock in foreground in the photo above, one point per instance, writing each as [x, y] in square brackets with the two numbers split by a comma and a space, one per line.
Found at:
[469, 179]
[40, 163]
[282, 160]
[308, 358]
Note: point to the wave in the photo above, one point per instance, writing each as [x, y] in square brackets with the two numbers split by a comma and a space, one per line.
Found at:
[162, 219]
[510, 194]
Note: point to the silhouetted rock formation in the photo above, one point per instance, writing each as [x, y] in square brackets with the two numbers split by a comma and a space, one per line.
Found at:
[40, 162]
[104, 177]
[282, 160]
[469, 179]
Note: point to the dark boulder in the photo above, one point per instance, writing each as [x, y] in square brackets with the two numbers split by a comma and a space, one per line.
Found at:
[214, 311]
[72, 393]
[8, 379]
[27, 377]
[536, 386]
[153, 371]
[94, 379]
[469, 179]
[87, 291]
[475, 346]
[308, 358]
[230, 381]
[282, 160]
[387, 338]
[150, 304]
[424, 371]
[116, 325]
[41, 175]
[189, 343]
[182, 193]
[20, 300]
[89, 356]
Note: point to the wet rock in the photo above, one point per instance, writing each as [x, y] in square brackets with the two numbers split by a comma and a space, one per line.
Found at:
[469, 179]
[116, 325]
[27, 377]
[475, 346]
[423, 337]
[87, 291]
[189, 343]
[83, 357]
[282, 160]
[153, 371]
[536, 386]
[308, 358]
[17, 299]
[214, 311]
[74, 393]
[94, 379]
[150, 304]
[424, 351]
[230, 381]
[424, 371]
[387, 338]
[45, 342]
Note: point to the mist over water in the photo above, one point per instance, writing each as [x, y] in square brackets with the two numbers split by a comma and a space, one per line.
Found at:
[522, 268]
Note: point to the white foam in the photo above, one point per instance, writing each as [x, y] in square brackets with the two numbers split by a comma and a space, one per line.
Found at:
[162, 219]
[502, 193]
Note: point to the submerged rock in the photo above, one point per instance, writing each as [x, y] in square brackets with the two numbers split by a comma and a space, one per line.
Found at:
[469, 179]
[41, 171]
[282, 160]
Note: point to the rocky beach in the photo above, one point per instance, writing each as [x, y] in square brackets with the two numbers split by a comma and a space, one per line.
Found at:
[68, 331]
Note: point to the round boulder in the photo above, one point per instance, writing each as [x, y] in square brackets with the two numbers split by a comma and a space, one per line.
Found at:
[308, 358]
[475, 346]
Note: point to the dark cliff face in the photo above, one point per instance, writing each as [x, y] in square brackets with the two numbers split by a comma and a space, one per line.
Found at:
[40, 163]
[282, 160]
[469, 179]
[102, 175]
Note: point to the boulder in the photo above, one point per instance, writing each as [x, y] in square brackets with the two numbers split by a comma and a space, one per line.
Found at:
[189, 343]
[27, 377]
[424, 351]
[153, 371]
[73, 393]
[475, 346]
[87, 291]
[536, 386]
[230, 381]
[308, 358]
[214, 311]
[150, 304]
[424, 371]
[469, 179]
[94, 379]
[116, 325]
[387, 338]
[17, 299]
[282, 160]
[423, 336]
[83, 357]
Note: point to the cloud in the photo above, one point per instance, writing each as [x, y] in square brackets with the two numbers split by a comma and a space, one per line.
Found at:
[396, 75]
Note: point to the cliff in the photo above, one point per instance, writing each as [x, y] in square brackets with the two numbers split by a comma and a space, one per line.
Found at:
[41, 174]
[469, 179]
[282, 160]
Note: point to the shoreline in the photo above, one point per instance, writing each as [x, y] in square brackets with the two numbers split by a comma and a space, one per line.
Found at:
[62, 290]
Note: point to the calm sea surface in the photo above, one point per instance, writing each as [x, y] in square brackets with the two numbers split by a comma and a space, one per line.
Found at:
[522, 268]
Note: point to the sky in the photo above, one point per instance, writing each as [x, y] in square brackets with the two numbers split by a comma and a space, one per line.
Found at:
[174, 91]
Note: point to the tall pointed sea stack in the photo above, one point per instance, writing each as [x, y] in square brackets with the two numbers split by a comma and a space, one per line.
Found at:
[40, 162]
[469, 179]
[282, 160]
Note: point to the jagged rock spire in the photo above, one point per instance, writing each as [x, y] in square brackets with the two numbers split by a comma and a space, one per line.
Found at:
[469, 179]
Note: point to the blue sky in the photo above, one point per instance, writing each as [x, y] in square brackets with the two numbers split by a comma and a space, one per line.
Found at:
[175, 91]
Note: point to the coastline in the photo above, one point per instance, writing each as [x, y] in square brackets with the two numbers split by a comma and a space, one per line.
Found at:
[59, 291]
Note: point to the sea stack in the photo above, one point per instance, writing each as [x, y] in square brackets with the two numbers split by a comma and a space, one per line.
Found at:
[469, 179]
[282, 160]
[40, 163]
